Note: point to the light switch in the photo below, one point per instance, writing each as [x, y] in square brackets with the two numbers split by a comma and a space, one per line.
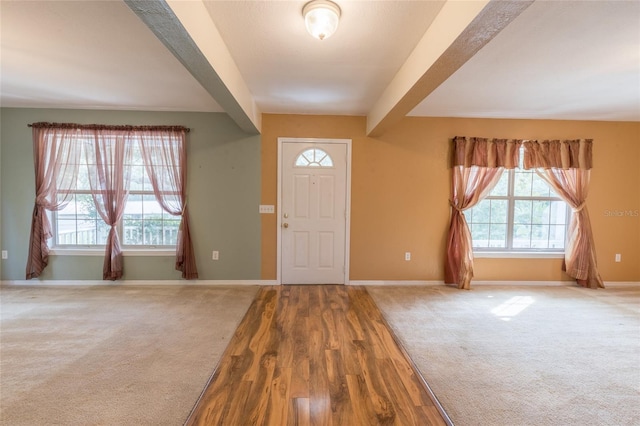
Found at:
[268, 209]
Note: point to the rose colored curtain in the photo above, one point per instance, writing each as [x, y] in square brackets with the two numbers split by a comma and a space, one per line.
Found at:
[478, 164]
[108, 155]
[566, 166]
[165, 160]
[56, 155]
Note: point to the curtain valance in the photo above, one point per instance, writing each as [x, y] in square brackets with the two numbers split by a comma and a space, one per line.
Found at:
[483, 152]
[556, 154]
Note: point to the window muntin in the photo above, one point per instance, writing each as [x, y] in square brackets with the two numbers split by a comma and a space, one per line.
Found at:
[314, 157]
[144, 223]
[522, 214]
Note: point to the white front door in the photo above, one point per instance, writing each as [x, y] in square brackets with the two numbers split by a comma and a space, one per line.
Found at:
[313, 212]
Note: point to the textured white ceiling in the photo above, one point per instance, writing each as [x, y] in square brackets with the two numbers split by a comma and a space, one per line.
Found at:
[90, 54]
[559, 59]
[289, 71]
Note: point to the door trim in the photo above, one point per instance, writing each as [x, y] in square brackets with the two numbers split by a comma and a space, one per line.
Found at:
[347, 239]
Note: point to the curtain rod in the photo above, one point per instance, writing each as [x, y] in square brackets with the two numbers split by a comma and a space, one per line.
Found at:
[106, 127]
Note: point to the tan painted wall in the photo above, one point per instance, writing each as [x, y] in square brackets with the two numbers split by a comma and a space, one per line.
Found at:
[400, 190]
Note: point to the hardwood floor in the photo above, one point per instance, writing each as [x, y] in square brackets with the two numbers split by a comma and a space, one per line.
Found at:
[315, 355]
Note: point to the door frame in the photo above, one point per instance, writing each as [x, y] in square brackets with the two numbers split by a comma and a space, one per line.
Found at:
[347, 239]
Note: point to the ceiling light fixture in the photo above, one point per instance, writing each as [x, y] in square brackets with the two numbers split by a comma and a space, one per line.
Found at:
[321, 18]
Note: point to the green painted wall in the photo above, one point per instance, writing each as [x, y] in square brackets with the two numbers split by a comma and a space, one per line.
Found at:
[223, 195]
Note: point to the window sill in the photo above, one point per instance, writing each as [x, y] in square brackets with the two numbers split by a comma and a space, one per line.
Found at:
[517, 255]
[100, 252]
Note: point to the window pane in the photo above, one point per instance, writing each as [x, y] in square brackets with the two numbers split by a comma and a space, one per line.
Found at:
[540, 187]
[521, 236]
[66, 223]
[69, 210]
[136, 155]
[171, 231]
[326, 162]
[86, 207]
[137, 178]
[66, 231]
[502, 187]
[498, 234]
[482, 212]
[499, 211]
[522, 184]
[540, 213]
[557, 236]
[83, 178]
[480, 235]
[86, 229]
[102, 232]
[165, 180]
[558, 213]
[152, 226]
[132, 220]
[522, 212]
[539, 236]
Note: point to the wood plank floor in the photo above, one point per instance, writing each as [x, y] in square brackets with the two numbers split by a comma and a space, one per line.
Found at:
[315, 355]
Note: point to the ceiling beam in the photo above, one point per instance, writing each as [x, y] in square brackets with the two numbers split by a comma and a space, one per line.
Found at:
[187, 30]
[459, 31]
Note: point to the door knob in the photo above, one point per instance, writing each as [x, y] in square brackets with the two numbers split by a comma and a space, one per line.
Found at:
[285, 225]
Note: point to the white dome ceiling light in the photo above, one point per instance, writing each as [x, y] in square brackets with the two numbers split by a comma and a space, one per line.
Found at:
[321, 18]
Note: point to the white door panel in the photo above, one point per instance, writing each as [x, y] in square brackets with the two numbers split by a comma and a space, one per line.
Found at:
[313, 213]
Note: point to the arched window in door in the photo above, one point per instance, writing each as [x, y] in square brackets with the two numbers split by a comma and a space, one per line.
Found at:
[314, 157]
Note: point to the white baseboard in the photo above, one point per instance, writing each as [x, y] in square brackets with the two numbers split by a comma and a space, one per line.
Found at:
[609, 284]
[523, 283]
[395, 282]
[119, 283]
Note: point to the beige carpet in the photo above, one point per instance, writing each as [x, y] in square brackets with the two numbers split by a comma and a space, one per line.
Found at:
[111, 355]
[523, 355]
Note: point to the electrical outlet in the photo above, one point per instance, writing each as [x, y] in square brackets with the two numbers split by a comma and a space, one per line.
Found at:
[618, 257]
[407, 256]
[5, 254]
[215, 255]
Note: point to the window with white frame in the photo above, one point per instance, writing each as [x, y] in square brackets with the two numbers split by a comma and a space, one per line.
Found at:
[521, 214]
[144, 223]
